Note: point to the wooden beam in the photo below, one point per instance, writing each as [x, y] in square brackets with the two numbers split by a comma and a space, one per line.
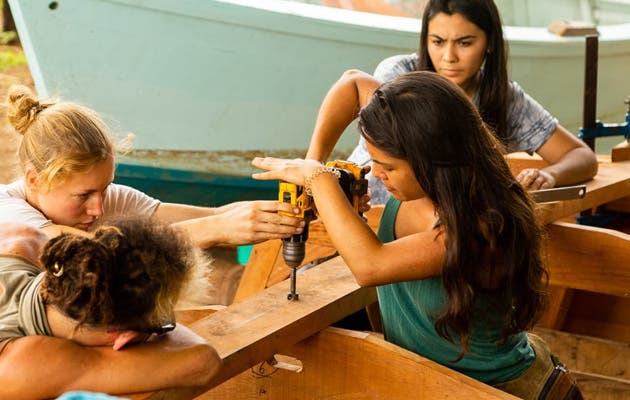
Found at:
[559, 304]
[259, 266]
[349, 365]
[589, 258]
[611, 183]
[254, 329]
[601, 315]
[588, 354]
[599, 387]
[621, 205]
[621, 152]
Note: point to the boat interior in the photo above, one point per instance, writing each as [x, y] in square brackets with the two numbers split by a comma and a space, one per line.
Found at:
[278, 349]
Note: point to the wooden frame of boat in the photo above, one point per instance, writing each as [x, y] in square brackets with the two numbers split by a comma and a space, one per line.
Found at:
[276, 349]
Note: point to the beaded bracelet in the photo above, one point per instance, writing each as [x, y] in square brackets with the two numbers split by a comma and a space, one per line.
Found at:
[322, 170]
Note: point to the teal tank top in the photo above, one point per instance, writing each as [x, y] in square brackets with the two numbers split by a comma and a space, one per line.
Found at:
[409, 311]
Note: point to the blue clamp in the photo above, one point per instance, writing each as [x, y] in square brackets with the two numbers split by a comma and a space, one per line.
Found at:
[603, 130]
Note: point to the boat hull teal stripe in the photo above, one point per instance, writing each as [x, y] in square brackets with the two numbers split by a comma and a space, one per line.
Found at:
[193, 187]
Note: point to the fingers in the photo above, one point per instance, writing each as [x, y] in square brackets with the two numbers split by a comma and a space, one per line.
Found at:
[534, 179]
[266, 176]
[526, 177]
[264, 216]
[264, 162]
[259, 237]
[294, 171]
[541, 183]
[274, 222]
[275, 206]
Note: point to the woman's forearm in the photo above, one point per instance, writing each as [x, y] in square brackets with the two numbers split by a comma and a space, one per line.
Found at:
[181, 359]
[570, 160]
[578, 165]
[339, 108]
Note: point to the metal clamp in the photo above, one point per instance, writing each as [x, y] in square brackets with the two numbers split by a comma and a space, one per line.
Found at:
[559, 193]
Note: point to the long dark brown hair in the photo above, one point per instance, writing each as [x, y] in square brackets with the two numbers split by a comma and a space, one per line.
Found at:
[493, 87]
[487, 217]
[129, 275]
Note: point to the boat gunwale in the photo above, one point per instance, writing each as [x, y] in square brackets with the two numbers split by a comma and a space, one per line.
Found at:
[373, 24]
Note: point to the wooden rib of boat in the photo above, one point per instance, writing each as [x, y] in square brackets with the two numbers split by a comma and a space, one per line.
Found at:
[276, 349]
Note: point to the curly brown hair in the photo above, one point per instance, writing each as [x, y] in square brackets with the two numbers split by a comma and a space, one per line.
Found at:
[128, 275]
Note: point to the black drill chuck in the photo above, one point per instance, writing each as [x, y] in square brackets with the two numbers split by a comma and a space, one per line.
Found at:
[293, 250]
[293, 253]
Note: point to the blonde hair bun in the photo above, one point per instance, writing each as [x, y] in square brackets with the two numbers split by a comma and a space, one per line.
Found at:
[23, 107]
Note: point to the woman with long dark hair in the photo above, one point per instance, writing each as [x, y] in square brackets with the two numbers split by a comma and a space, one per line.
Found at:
[457, 260]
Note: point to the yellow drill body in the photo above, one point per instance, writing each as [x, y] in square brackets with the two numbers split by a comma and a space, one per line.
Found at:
[354, 185]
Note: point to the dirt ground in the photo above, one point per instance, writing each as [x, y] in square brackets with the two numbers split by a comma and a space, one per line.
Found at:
[9, 139]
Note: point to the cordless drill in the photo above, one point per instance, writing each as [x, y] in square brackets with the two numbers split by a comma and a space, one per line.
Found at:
[352, 181]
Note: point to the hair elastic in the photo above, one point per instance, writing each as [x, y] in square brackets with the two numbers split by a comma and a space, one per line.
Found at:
[58, 271]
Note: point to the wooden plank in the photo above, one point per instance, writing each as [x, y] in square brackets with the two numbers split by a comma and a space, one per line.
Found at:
[190, 315]
[256, 328]
[559, 303]
[588, 354]
[621, 205]
[621, 152]
[335, 366]
[611, 183]
[589, 258]
[258, 268]
[600, 315]
[601, 326]
[562, 27]
[598, 387]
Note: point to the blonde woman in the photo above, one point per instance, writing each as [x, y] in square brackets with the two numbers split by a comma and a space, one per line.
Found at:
[67, 155]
